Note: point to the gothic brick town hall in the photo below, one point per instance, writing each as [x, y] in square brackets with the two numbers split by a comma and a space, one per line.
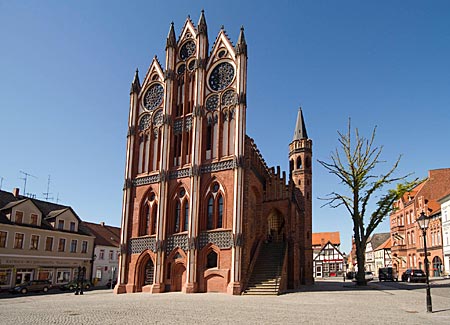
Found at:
[202, 212]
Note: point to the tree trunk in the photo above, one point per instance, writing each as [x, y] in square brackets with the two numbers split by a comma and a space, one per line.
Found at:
[361, 260]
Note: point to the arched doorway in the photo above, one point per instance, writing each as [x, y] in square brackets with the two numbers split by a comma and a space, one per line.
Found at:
[437, 266]
[149, 271]
[275, 226]
[179, 276]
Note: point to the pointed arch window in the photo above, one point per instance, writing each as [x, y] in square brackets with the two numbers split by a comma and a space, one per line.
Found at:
[211, 260]
[177, 217]
[154, 214]
[210, 213]
[214, 209]
[147, 219]
[148, 216]
[220, 211]
[180, 220]
[209, 137]
[186, 215]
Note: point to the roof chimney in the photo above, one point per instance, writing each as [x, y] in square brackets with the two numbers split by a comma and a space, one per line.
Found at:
[15, 192]
[102, 223]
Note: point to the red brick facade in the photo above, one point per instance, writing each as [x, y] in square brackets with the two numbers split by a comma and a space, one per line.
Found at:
[407, 239]
[198, 196]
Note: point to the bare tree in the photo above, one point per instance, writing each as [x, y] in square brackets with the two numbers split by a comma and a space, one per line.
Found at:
[354, 164]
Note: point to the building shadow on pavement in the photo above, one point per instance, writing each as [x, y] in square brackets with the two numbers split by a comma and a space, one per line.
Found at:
[335, 285]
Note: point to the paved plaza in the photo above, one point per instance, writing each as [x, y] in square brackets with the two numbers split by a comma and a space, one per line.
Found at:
[326, 302]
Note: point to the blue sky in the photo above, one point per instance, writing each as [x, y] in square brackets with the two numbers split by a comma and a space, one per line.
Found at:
[66, 69]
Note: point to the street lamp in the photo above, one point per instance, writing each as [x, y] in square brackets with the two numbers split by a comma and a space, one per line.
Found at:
[423, 222]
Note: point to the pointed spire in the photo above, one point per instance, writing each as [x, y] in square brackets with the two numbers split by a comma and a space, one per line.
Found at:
[300, 128]
[171, 39]
[136, 84]
[241, 46]
[202, 28]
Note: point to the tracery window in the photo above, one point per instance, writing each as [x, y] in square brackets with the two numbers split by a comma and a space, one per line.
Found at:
[214, 208]
[148, 215]
[177, 217]
[180, 221]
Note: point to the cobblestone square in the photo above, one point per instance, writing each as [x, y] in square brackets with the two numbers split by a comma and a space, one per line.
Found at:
[325, 302]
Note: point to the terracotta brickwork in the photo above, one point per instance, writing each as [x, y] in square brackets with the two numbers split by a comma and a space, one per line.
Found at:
[407, 239]
[199, 198]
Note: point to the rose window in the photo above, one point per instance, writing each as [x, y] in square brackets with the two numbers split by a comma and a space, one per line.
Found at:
[153, 97]
[221, 76]
[187, 50]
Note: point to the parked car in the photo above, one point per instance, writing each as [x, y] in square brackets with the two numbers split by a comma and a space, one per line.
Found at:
[387, 274]
[368, 276]
[414, 275]
[32, 286]
[72, 285]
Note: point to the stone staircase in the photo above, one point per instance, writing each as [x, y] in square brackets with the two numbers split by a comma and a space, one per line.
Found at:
[266, 276]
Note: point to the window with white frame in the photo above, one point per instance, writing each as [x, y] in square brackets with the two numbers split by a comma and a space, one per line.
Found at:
[62, 245]
[111, 255]
[49, 244]
[18, 240]
[102, 254]
[45, 274]
[34, 243]
[73, 245]
[18, 217]
[84, 246]
[34, 219]
[62, 276]
[3, 237]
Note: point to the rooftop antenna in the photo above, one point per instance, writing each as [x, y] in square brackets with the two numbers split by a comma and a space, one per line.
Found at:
[25, 180]
[1, 182]
[47, 194]
[57, 198]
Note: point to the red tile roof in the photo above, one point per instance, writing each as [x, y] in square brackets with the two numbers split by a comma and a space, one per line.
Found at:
[385, 245]
[104, 235]
[321, 238]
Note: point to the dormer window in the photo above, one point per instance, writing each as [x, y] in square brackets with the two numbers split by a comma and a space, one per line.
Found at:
[34, 219]
[72, 226]
[61, 224]
[19, 217]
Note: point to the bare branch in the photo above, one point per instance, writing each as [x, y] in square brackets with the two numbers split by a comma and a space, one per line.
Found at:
[354, 165]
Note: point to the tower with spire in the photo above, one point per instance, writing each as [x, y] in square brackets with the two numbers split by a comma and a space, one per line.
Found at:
[199, 202]
[300, 176]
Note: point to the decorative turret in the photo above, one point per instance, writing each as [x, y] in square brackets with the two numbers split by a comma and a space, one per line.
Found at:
[136, 84]
[171, 39]
[202, 28]
[241, 46]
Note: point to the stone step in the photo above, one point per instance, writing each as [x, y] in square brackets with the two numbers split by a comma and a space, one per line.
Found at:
[261, 293]
[271, 277]
[263, 286]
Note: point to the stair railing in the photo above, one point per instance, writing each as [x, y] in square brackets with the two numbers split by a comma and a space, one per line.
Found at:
[283, 276]
[253, 260]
